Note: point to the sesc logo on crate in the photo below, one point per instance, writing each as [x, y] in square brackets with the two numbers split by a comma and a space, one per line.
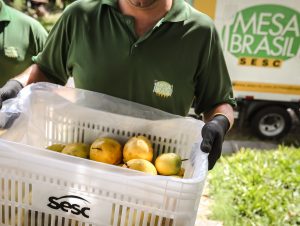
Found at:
[71, 204]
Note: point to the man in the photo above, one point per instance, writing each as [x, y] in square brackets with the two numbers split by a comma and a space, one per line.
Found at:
[161, 53]
[21, 37]
[39, 6]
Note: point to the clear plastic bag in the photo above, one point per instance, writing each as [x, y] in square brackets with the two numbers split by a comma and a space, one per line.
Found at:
[44, 113]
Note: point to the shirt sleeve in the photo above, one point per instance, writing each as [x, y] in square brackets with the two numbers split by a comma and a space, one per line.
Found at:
[40, 36]
[213, 84]
[53, 60]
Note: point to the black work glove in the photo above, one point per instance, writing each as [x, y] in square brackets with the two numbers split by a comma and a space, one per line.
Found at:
[213, 133]
[10, 90]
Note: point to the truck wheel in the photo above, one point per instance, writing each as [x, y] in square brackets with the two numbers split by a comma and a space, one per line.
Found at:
[271, 123]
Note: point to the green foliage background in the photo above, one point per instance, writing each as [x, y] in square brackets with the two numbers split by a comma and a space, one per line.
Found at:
[257, 188]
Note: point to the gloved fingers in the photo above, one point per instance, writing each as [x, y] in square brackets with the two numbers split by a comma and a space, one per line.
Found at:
[3, 120]
[3, 96]
[7, 119]
[215, 153]
[211, 162]
[208, 136]
[10, 90]
[6, 94]
[207, 142]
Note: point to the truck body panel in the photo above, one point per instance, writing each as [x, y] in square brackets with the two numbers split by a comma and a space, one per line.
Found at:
[261, 40]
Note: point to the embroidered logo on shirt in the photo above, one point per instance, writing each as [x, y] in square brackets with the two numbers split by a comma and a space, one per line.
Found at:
[163, 89]
[11, 52]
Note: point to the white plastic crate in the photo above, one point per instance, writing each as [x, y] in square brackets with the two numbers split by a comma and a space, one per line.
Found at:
[45, 188]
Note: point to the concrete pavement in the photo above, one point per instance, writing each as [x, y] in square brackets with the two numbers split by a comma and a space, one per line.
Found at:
[232, 146]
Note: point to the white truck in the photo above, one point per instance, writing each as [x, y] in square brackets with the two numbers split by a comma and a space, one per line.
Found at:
[261, 43]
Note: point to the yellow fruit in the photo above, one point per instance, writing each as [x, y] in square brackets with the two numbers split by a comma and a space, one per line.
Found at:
[181, 172]
[77, 149]
[141, 165]
[176, 176]
[168, 164]
[138, 147]
[56, 147]
[106, 150]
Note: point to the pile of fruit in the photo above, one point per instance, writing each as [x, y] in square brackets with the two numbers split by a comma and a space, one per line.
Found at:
[136, 154]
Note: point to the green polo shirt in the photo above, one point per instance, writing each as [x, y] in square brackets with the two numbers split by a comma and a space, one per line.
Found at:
[21, 37]
[180, 60]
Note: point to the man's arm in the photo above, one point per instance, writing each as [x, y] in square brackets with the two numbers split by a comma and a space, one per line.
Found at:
[13, 86]
[217, 122]
[223, 109]
[31, 75]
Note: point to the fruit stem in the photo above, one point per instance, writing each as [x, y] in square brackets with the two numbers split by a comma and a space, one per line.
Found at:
[182, 160]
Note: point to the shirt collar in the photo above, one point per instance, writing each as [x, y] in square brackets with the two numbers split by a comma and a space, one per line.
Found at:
[113, 3]
[4, 14]
[177, 13]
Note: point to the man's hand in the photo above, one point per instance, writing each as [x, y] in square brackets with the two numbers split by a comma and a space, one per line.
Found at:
[10, 90]
[213, 133]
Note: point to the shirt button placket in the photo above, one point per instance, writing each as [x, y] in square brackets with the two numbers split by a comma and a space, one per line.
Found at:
[134, 47]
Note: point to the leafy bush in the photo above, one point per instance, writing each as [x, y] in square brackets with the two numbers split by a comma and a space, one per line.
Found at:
[257, 188]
